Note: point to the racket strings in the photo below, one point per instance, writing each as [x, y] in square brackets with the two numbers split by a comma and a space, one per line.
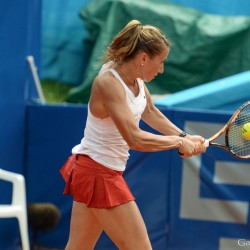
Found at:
[237, 144]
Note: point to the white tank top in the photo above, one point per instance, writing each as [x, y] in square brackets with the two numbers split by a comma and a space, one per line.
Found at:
[102, 141]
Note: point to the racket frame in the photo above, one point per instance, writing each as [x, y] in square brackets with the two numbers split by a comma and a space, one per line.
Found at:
[225, 129]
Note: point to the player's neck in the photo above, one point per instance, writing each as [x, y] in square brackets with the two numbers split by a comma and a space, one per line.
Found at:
[128, 73]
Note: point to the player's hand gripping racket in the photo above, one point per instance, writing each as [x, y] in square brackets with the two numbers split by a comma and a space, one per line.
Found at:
[235, 143]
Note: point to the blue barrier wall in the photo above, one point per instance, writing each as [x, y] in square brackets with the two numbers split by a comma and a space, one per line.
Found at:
[186, 204]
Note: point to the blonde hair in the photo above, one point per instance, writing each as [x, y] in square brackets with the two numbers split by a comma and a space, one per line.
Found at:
[134, 38]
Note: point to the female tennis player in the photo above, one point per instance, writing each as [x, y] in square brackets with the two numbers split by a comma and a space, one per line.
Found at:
[102, 201]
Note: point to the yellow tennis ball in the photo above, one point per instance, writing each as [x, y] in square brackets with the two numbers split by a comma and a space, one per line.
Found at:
[246, 131]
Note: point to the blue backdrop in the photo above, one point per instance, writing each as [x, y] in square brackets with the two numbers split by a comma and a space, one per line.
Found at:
[19, 37]
[199, 203]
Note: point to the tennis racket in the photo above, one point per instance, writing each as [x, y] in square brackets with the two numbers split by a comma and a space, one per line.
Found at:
[234, 141]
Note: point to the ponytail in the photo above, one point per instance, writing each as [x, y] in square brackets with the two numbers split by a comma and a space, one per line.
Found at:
[133, 38]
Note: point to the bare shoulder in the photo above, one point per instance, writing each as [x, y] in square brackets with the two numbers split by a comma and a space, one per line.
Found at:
[105, 89]
[105, 83]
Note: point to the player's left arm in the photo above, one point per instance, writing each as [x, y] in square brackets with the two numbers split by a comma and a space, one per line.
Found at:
[158, 121]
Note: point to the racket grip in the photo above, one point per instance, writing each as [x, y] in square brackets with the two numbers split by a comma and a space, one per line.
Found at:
[206, 143]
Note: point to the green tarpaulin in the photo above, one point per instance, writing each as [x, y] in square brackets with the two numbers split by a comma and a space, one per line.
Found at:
[205, 47]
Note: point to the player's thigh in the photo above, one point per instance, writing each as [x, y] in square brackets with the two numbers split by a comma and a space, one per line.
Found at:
[125, 226]
[85, 229]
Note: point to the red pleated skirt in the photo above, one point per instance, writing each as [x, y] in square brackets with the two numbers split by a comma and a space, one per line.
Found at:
[94, 184]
